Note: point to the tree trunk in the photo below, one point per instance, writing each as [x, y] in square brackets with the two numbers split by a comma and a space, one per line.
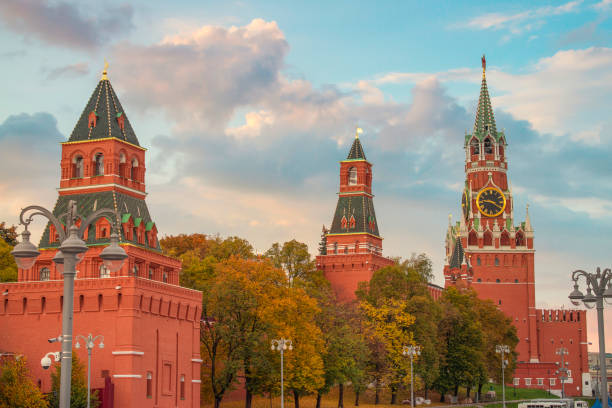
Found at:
[356, 398]
[217, 401]
[377, 395]
[340, 395]
[442, 396]
[393, 395]
[456, 390]
[318, 400]
[468, 389]
[426, 392]
[296, 399]
[480, 391]
[248, 401]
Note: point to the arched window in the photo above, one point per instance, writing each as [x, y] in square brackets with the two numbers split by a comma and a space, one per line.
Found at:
[473, 238]
[165, 277]
[149, 385]
[122, 164]
[104, 272]
[488, 146]
[474, 146]
[183, 387]
[501, 150]
[505, 239]
[45, 274]
[520, 239]
[496, 261]
[488, 238]
[352, 180]
[478, 261]
[134, 169]
[99, 164]
[150, 273]
[335, 247]
[497, 281]
[77, 167]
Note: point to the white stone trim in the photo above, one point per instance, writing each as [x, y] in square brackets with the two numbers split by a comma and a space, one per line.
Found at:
[196, 381]
[489, 249]
[128, 353]
[127, 376]
[102, 185]
[197, 360]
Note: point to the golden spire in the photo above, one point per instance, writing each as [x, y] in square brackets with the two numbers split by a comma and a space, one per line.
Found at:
[104, 77]
[357, 132]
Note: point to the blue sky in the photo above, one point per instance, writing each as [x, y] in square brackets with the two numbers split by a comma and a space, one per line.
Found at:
[247, 107]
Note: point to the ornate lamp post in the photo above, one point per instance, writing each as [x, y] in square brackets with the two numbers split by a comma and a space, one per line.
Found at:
[503, 349]
[411, 351]
[599, 288]
[71, 247]
[90, 343]
[562, 368]
[282, 344]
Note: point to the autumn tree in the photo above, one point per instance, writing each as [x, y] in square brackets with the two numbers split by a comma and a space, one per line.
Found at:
[8, 234]
[8, 267]
[17, 390]
[78, 386]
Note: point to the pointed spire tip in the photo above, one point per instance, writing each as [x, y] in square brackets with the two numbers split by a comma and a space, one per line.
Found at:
[105, 72]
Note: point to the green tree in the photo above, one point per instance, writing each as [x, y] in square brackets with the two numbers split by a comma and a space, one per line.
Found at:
[8, 267]
[17, 390]
[78, 386]
[292, 257]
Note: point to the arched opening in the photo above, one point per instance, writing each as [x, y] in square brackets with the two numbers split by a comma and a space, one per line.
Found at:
[497, 281]
[81, 302]
[474, 146]
[150, 273]
[77, 167]
[501, 150]
[165, 277]
[488, 146]
[134, 169]
[43, 304]
[99, 164]
[25, 304]
[122, 165]
[183, 387]
[496, 261]
[478, 261]
[520, 239]
[368, 177]
[149, 385]
[505, 239]
[104, 272]
[45, 274]
[100, 302]
[488, 238]
[352, 176]
[335, 247]
[472, 238]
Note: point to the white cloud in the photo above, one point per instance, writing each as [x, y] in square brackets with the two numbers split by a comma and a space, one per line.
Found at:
[254, 122]
[518, 23]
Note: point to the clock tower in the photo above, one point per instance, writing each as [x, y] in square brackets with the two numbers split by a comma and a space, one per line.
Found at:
[489, 249]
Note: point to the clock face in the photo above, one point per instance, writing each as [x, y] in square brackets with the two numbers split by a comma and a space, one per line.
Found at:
[465, 205]
[491, 202]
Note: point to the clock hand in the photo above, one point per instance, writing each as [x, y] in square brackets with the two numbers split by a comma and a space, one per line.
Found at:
[492, 202]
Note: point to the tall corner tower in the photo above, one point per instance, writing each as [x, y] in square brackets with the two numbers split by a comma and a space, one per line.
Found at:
[489, 249]
[351, 249]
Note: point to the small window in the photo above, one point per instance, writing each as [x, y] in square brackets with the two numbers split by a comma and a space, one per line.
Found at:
[527, 381]
[496, 261]
[77, 167]
[99, 164]
[499, 302]
[335, 247]
[497, 281]
[516, 381]
[149, 385]
[478, 262]
[150, 273]
[479, 280]
[475, 146]
[182, 387]
[488, 146]
[352, 180]
[134, 169]
[45, 274]
[516, 281]
[569, 373]
[165, 277]
[540, 381]
[104, 272]
[553, 381]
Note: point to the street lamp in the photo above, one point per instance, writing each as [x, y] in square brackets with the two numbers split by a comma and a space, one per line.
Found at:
[71, 247]
[503, 349]
[411, 351]
[599, 289]
[282, 344]
[562, 368]
[90, 343]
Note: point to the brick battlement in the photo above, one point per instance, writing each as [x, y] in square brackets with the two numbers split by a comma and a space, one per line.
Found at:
[134, 293]
[571, 316]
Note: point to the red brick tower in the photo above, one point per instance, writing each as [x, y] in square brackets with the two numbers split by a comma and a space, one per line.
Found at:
[352, 249]
[489, 250]
[149, 323]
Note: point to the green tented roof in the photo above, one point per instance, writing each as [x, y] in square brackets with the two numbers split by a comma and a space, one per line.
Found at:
[125, 217]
